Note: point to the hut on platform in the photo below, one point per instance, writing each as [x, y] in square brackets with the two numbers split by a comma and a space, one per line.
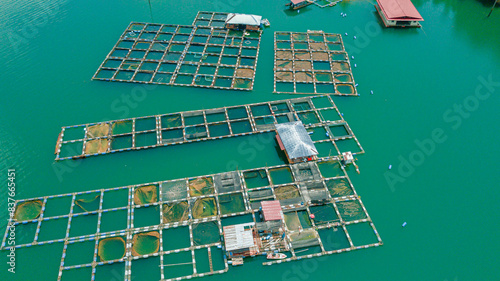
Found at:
[294, 140]
[398, 13]
[243, 22]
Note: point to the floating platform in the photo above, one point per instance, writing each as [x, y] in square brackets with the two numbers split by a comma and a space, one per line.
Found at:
[330, 132]
[312, 62]
[176, 225]
[183, 55]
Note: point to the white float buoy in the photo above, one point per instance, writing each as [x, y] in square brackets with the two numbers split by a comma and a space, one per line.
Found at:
[356, 85]
[390, 167]
[352, 57]
[354, 36]
[346, 34]
[404, 224]
[355, 65]
[371, 92]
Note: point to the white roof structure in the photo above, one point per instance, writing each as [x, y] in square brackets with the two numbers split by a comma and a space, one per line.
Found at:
[243, 19]
[296, 140]
[239, 236]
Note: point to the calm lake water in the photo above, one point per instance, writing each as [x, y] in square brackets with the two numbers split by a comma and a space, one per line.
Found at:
[433, 115]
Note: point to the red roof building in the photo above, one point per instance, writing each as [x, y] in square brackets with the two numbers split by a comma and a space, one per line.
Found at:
[271, 210]
[398, 13]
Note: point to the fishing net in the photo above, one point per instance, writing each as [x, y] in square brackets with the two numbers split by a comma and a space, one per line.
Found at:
[317, 46]
[99, 130]
[145, 195]
[304, 77]
[284, 55]
[28, 210]
[292, 221]
[145, 243]
[96, 146]
[111, 248]
[206, 233]
[244, 72]
[204, 207]
[320, 56]
[286, 192]
[175, 212]
[304, 238]
[339, 187]
[201, 186]
[231, 203]
[351, 210]
[302, 56]
[88, 204]
[304, 65]
[284, 64]
[261, 194]
[339, 66]
[173, 190]
[284, 76]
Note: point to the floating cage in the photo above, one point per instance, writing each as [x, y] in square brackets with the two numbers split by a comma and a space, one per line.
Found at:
[175, 212]
[28, 210]
[88, 202]
[201, 186]
[145, 243]
[111, 248]
[146, 194]
[183, 55]
[206, 233]
[204, 207]
[339, 187]
[310, 62]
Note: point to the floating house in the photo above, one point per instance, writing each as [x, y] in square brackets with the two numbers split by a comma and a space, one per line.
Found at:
[297, 4]
[294, 140]
[398, 13]
[241, 240]
[243, 21]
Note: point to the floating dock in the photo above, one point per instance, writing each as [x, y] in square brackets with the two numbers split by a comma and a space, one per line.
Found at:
[176, 225]
[312, 62]
[328, 129]
[183, 55]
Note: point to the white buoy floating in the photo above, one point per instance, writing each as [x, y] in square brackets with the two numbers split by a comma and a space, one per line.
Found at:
[352, 57]
[404, 224]
[354, 36]
[371, 92]
[355, 65]
[346, 34]
[390, 167]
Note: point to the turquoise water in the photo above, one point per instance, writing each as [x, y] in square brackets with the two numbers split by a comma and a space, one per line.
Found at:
[420, 77]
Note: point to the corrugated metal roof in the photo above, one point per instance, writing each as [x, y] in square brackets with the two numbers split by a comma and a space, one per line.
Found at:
[296, 140]
[236, 237]
[399, 10]
[271, 210]
[297, 1]
[243, 19]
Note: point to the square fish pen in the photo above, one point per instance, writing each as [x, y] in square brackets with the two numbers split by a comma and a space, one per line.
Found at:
[330, 133]
[312, 62]
[172, 230]
[183, 55]
[214, 19]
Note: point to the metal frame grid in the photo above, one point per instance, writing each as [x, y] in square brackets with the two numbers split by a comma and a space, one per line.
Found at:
[305, 183]
[318, 113]
[183, 55]
[312, 62]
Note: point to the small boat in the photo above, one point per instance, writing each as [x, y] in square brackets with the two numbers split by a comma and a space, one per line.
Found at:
[276, 256]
